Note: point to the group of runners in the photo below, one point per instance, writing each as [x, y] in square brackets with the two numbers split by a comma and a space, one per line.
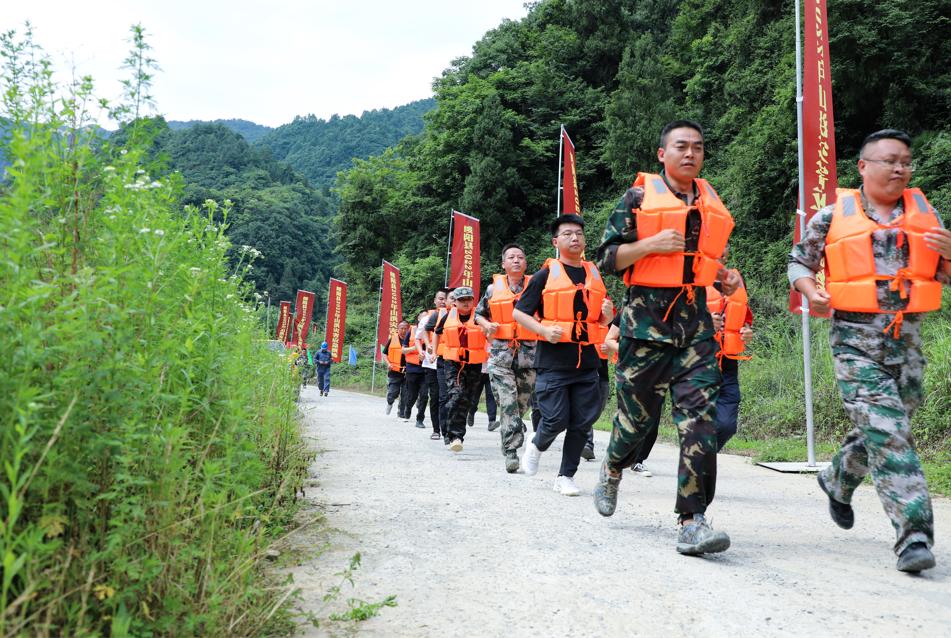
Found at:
[544, 340]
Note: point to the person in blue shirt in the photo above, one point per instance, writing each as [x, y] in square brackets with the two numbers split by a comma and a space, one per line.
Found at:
[322, 362]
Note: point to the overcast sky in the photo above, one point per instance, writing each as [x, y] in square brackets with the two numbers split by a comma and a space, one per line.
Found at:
[264, 63]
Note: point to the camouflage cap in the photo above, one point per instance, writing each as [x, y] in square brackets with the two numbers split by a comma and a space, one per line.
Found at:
[463, 292]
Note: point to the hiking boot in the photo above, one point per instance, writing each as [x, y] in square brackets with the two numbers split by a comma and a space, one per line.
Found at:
[511, 461]
[470, 421]
[641, 470]
[587, 453]
[841, 513]
[420, 424]
[915, 558]
[389, 408]
[605, 492]
[566, 486]
[530, 459]
[697, 537]
[456, 445]
[493, 426]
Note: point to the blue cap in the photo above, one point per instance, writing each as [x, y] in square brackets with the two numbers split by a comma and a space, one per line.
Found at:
[323, 346]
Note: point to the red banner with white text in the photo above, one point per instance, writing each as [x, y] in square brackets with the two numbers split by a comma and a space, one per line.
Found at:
[464, 266]
[284, 322]
[571, 203]
[818, 127]
[336, 318]
[303, 312]
[391, 306]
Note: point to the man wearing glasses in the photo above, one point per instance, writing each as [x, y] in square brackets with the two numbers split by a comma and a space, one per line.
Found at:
[887, 255]
[571, 299]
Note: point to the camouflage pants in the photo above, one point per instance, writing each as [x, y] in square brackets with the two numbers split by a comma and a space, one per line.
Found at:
[880, 400]
[513, 393]
[646, 371]
[462, 385]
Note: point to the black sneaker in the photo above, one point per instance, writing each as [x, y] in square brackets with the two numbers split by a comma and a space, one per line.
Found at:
[420, 425]
[587, 454]
[915, 558]
[841, 513]
[470, 421]
[605, 492]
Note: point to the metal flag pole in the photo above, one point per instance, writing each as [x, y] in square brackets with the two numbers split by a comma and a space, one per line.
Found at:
[806, 338]
[561, 150]
[810, 465]
[376, 346]
[267, 314]
[452, 217]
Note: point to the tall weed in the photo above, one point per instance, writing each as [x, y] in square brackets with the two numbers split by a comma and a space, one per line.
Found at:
[149, 441]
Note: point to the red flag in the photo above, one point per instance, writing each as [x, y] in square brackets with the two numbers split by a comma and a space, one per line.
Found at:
[284, 322]
[391, 306]
[336, 318]
[464, 270]
[303, 311]
[569, 180]
[818, 127]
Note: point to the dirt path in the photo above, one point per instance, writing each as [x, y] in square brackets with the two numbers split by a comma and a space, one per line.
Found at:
[469, 550]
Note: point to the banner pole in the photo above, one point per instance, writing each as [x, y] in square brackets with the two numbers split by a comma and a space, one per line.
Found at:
[561, 149]
[376, 346]
[452, 217]
[806, 337]
[267, 314]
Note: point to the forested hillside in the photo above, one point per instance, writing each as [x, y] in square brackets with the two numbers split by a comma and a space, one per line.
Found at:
[274, 209]
[320, 148]
[613, 73]
[250, 131]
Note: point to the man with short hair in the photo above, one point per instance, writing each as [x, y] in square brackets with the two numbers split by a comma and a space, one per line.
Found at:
[395, 352]
[887, 255]
[571, 300]
[665, 238]
[429, 339]
[511, 352]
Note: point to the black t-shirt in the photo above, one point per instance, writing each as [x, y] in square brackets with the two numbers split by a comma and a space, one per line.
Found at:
[559, 356]
[463, 337]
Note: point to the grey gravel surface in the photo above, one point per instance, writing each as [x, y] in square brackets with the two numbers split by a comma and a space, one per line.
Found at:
[469, 550]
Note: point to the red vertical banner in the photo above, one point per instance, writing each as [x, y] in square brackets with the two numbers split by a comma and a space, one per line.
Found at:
[818, 126]
[336, 318]
[571, 203]
[464, 269]
[391, 306]
[284, 322]
[303, 312]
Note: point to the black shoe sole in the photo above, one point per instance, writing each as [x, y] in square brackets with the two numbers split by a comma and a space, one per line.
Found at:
[844, 519]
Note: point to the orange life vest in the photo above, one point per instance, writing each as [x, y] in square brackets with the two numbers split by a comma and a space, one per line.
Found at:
[734, 309]
[851, 280]
[413, 357]
[501, 304]
[394, 354]
[558, 304]
[662, 210]
[452, 331]
[441, 348]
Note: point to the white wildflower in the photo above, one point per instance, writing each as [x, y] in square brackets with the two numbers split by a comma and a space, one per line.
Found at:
[123, 152]
[159, 232]
[109, 169]
[195, 270]
[144, 230]
[140, 172]
[156, 184]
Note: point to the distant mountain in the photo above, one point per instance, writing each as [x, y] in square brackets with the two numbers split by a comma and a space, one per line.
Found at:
[250, 131]
[320, 148]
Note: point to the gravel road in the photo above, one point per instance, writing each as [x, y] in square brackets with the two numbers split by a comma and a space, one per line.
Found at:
[469, 550]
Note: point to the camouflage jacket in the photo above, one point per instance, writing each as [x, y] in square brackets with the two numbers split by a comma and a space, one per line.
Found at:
[857, 332]
[642, 313]
[504, 353]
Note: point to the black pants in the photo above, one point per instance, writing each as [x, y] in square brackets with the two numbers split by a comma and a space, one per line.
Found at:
[443, 396]
[570, 402]
[411, 387]
[536, 411]
[491, 407]
[394, 383]
[728, 407]
[429, 394]
[463, 386]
